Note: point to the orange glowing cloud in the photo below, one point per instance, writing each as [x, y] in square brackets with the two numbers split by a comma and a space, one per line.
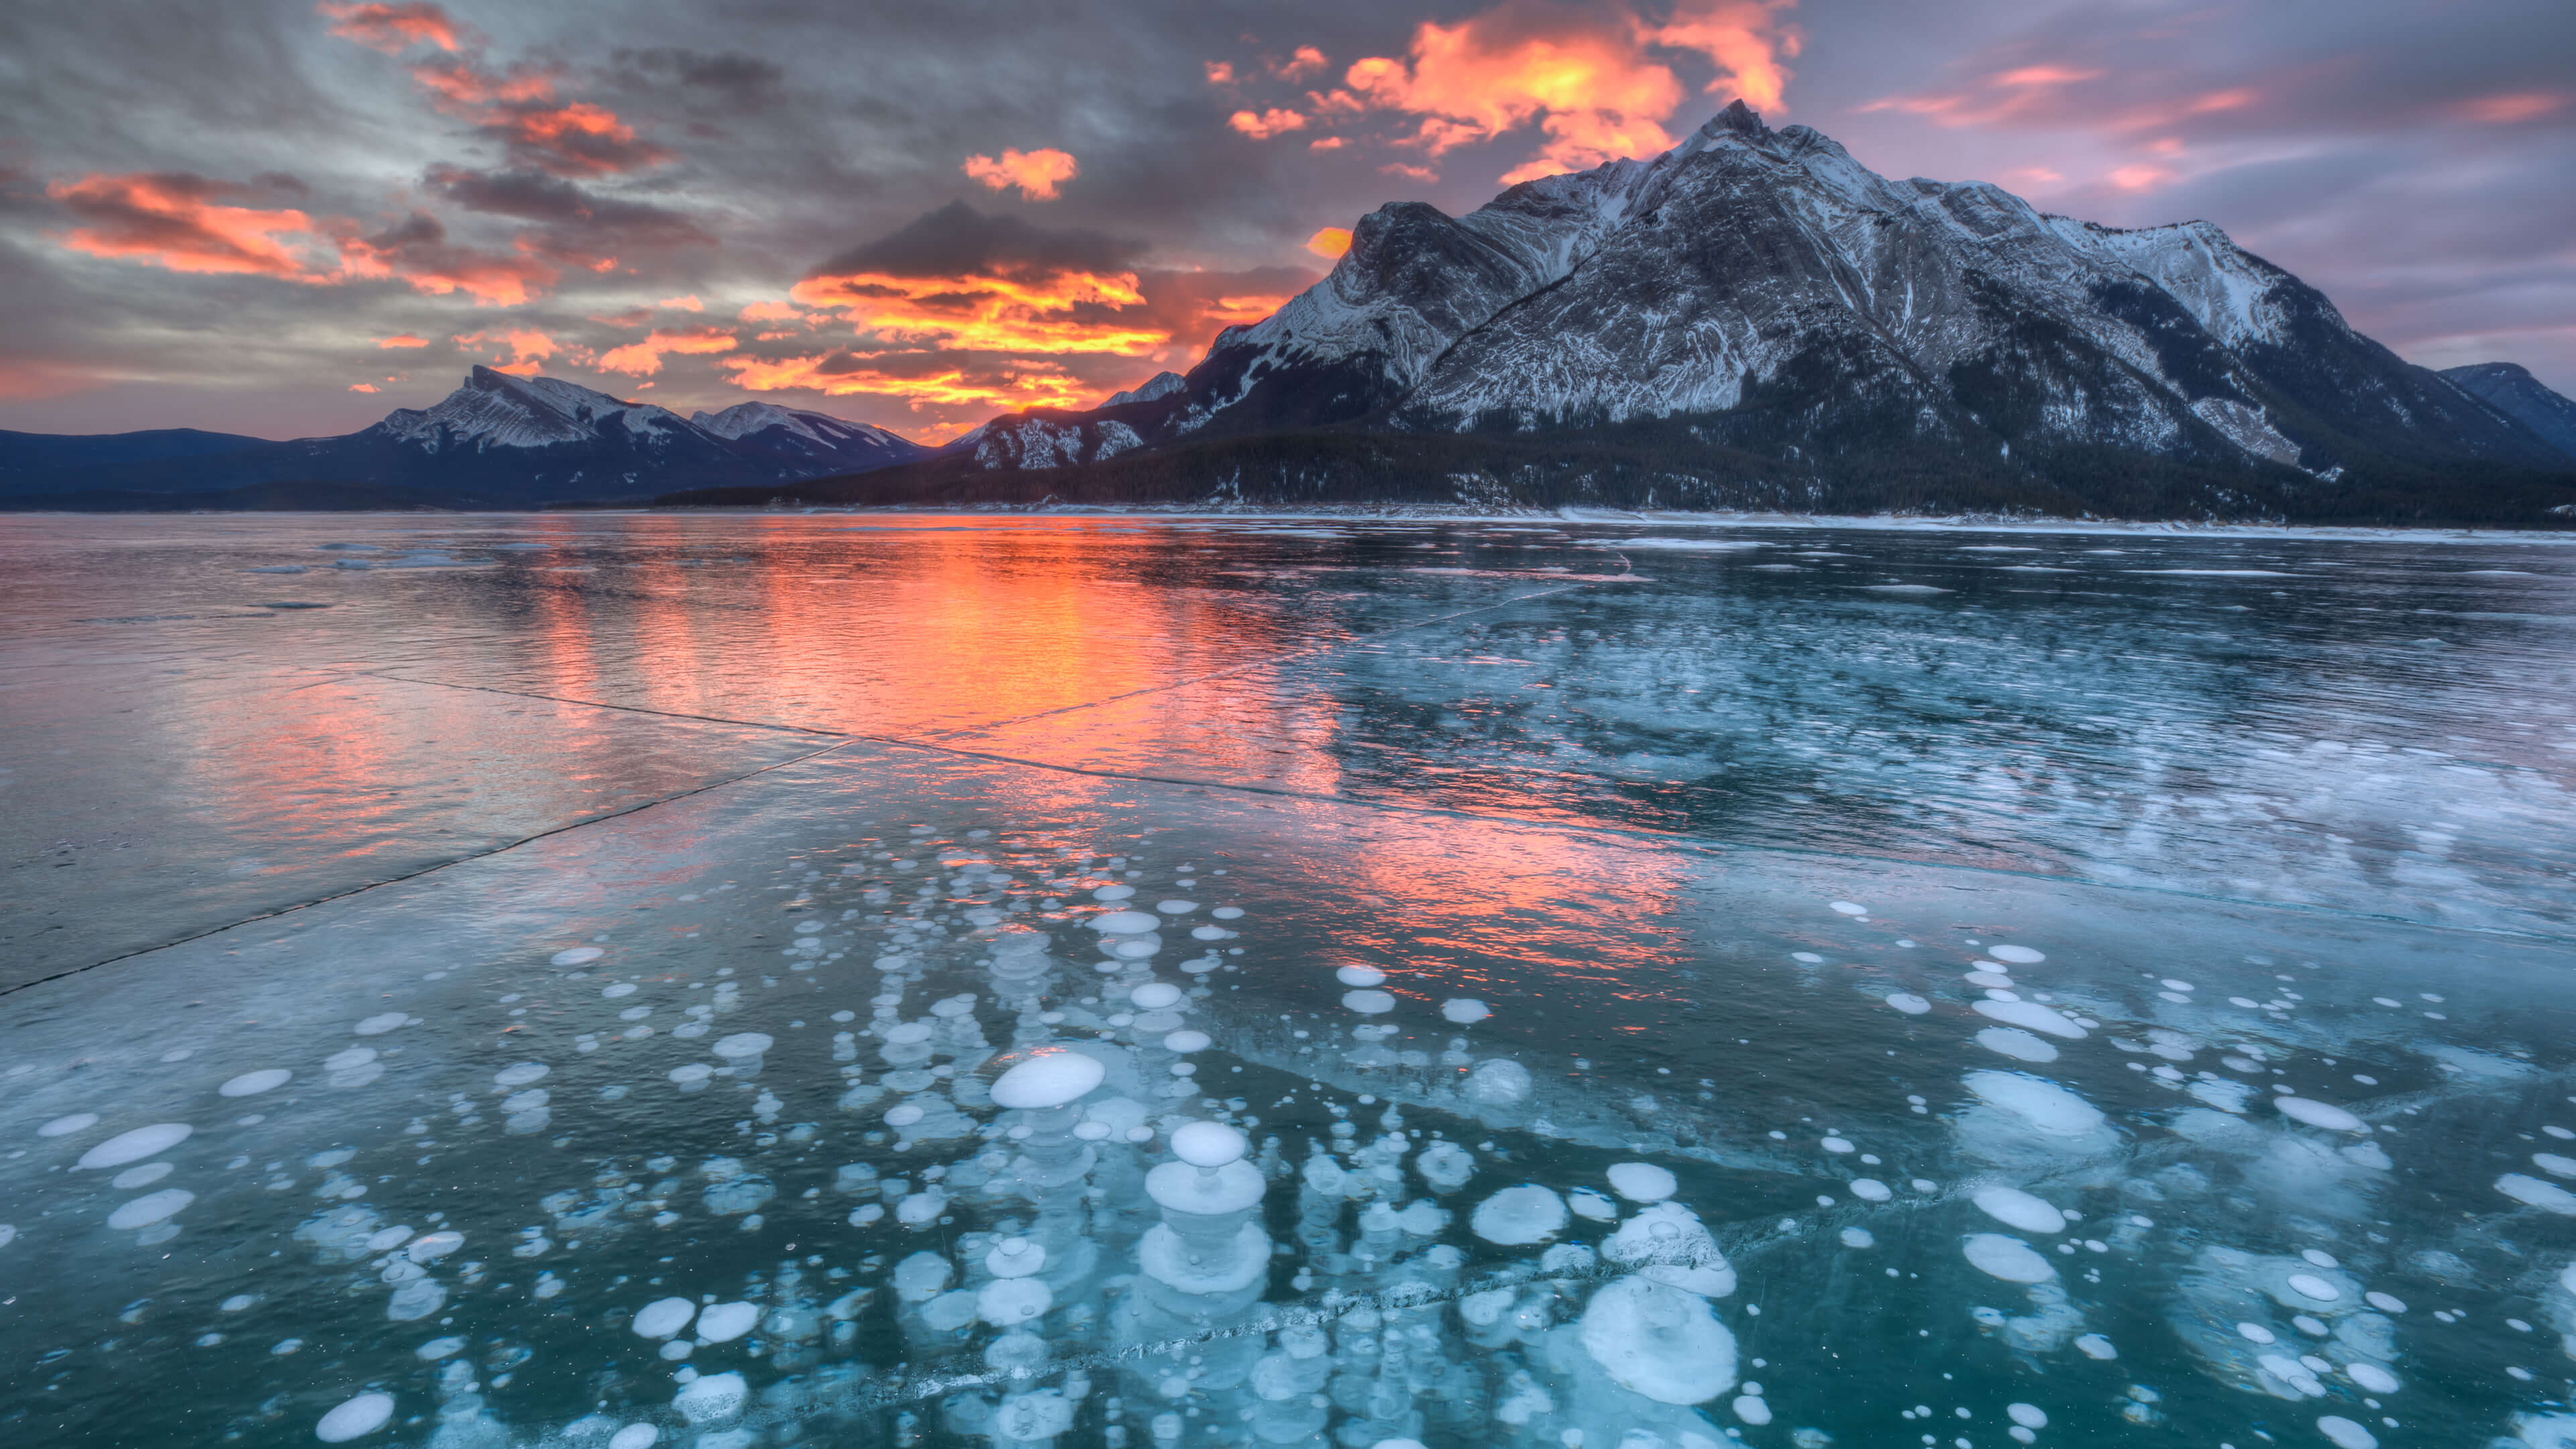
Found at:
[417, 251]
[2505, 110]
[1220, 73]
[527, 348]
[518, 106]
[1036, 173]
[1262, 125]
[402, 340]
[1594, 90]
[689, 303]
[2140, 178]
[364, 387]
[1327, 143]
[643, 359]
[1330, 241]
[769, 312]
[1042, 313]
[392, 29]
[1304, 61]
[185, 223]
[943, 384]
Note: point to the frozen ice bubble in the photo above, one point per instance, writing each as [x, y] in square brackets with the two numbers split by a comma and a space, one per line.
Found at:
[617, 989]
[1592, 1206]
[1013, 1302]
[2314, 1288]
[349, 1060]
[743, 1044]
[439, 1348]
[1015, 1258]
[1123, 923]
[1498, 1082]
[664, 1317]
[380, 1023]
[2017, 1209]
[2372, 1377]
[1850, 908]
[520, 1074]
[66, 1126]
[1048, 1079]
[2343, 1433]
[1869, 1189]
[136, 1145]
[2029, 1416]
[1642, 1181]
[152, 1172]
[1465, 1010]
[2046, 1106]
[578, 955]
[2032, 1015]
[1228, 913]
[430, 1247]
[634, 1436]
[152, 1207]
[711, 1398]
[2010, 1259]
[1368, 1003]
[1185, 1042]
[2017, 955]
[1753, 1410]
[2319, 1114]
[1209, 1144]
[1859, 1238]
[1176, 908]
[1659, 1341]
[8, 1234]
[2094, 1345]
[1518, 1216]
[251, 1084]
[1113, 893]
[1908, 1002]
[725, 1322]
[1156, 996]
[2013, 1042]
[355, 1418]
[1360, 976]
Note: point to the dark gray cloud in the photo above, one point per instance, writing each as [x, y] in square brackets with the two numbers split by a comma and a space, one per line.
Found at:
[957, 240]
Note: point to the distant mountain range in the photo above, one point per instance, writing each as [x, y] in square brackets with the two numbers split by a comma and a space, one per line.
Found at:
[1751, 320]
[1755, 320]
[498, 441]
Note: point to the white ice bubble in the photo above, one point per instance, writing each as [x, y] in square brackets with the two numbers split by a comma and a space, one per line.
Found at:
[1186, 1042]
[711, 1398]
[1908, 1002]
[144, 1176]
[1859, 1238]
[2032, 1015]
[1850, 908]
[578, 955]
[520, 1074]
[2372, 1377]
[2046, 1106]
[1156, 996]
[8, 1234]
[1368, 1003]
[664, 1317]
[1048, 1079]
[2094, 1345]
[439, 1348]
[355, 1418]
[2008, 1258]
[349, 1060]
[1498, 1082]
[136, 1145]
[251, 1084]
[725, 1322]
[2554, 1165]
[2319, 1114]
[634, 1436]
[151, 1208]
[1869, 1189]
[430, 1247]
[1176, 908]
[1113, 893]
[1228, 913]
[1518, 1216]
[1123, 923]
[1360, 976]
[1753, 1410]
[2310, 1286]
[1659, 1341]
[616, 989]
[2015, 1208]
[2029, 1416]
[1465, 1010]
[1013, 1302]
[2013, 1042]
[2343, 1433]
[380, 1023]
[2017, 955]
[1642, 1181]
[1592, 1206]
[66, 1126]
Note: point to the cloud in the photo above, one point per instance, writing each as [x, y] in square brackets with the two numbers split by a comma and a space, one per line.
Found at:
[644, 358]
[1745, 39]
[1262, 125]
[579, 227]
[1220, 73]
[918, 378]
[1330, 241]
[2507, 109]
[402, 340]
[682, 304]
[393, 29]
[188, 223]
[1590, 89]
[957, 278]
[1306, 60]
[417, 251]
[769, 312]
[364, 387]
[527, 347]
[1035, 173]
[518, 107]
[729, 79]
[1327, 143]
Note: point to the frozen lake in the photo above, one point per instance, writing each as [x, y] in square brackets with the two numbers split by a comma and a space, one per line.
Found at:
[602, 980]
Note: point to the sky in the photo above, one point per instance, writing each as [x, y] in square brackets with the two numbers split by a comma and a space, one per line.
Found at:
[285, 219]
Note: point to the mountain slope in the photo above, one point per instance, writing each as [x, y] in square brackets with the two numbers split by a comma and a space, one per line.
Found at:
[2511, 389]
[499, 440]
[1756, 314]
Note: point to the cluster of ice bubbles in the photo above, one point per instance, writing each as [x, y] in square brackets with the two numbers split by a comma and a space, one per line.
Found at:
[1145, 1269]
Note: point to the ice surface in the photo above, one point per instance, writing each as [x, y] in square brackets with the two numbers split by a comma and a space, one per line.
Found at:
[1698, 1101]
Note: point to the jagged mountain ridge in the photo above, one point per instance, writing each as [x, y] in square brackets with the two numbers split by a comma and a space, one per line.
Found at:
[1756, 306]
[2510, 388]
[498, 440]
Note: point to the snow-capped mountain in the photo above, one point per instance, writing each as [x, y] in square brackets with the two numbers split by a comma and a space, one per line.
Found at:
[502, 439]
[1756, 310]
[2510, 388]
